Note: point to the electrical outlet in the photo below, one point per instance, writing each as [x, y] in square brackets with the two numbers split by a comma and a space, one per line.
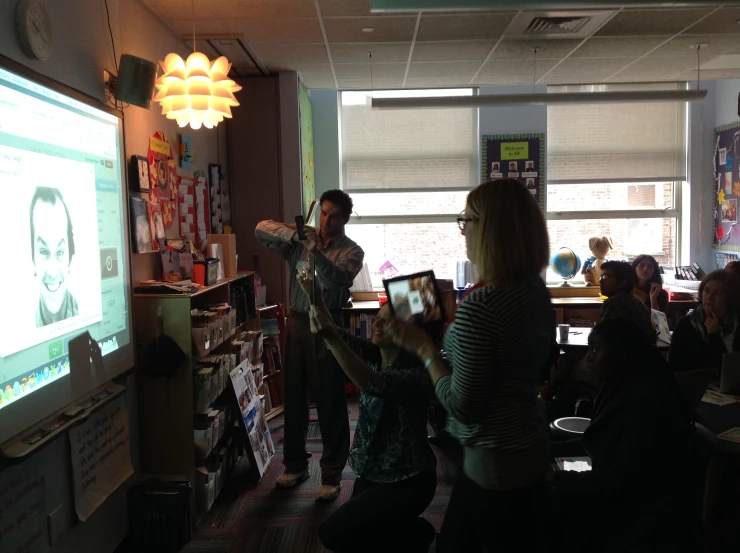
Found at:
[55, 523]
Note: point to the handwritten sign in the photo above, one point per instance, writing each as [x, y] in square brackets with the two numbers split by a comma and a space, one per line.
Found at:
[22, 516]
[101, 457]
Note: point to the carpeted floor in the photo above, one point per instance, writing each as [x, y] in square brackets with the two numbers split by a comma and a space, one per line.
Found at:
[252, 517]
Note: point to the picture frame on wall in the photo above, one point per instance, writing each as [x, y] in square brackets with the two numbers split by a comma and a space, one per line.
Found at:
[139, 174]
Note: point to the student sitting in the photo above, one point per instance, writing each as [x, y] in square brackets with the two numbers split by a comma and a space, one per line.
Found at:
[702, 337]
[617, 281]
[649, 287]
[641, 489]
[391, 457]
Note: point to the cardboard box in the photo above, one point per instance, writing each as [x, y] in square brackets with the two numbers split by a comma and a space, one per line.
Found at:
[228, 245]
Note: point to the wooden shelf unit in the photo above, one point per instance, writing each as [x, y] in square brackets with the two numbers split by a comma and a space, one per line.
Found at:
[166, 406]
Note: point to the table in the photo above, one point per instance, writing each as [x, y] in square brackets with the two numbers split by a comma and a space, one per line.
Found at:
[578, 339]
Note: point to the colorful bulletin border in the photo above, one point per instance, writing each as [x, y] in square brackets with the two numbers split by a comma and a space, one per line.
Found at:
[726, 188]
[518, 156]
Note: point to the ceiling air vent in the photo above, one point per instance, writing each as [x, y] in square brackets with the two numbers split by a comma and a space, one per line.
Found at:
[559, 25]
[556, 24]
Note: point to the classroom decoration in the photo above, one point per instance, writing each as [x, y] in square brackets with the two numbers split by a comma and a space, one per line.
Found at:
[565, 263]
[196, 92]
[307, 165]
[202, 210]
[186, 153]
[187, 208]
[220, 203]
[516, 156]
[599, 246]
[726, 187]
[723, 258]
[163, 176]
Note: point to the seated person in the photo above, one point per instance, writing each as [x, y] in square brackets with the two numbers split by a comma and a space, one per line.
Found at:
[391, 457]
[649, 287]
[702, 337]
[733, 267]
[618, 278]
[641, 443]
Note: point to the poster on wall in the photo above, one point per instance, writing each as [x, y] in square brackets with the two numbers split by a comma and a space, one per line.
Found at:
[163, 176]
[516, 156]
[726, 187]
[307, 166]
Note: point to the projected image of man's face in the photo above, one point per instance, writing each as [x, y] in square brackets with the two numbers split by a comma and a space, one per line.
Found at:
[51, 253]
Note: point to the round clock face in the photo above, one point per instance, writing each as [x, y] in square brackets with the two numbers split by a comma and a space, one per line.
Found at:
[34, 29]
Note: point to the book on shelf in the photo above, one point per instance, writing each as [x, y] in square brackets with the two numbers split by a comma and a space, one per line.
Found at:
[361, 325]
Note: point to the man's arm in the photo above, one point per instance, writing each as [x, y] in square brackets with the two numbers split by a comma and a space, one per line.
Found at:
[277, 237]
[343, 272]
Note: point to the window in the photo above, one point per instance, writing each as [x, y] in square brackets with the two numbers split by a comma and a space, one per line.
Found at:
[408, 172]
[616, 170]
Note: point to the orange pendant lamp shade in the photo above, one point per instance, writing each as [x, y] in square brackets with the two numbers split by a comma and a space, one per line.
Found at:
[196, 92]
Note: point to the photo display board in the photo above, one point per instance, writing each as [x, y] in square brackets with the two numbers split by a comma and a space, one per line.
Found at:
[515, 156]
[726, 187]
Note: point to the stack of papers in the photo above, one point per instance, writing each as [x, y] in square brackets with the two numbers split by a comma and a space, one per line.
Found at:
[363, 282]
[575, 464]
[718, 398]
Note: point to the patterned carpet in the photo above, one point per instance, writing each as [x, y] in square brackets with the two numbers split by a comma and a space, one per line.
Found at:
[252, 517]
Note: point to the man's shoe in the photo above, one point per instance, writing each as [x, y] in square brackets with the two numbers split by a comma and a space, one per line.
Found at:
[291, 479]
[327, 492]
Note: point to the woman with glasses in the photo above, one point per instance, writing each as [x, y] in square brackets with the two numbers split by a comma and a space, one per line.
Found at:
[497, 344]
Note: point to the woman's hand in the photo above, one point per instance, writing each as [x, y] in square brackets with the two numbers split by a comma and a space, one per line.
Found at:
[408, 337]
[711, 323]
[655, 289]
[322, 323]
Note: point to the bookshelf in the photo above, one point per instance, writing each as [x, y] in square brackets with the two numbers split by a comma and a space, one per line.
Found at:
[172, 410]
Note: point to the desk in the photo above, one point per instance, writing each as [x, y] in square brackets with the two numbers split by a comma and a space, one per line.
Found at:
[578, 338]
[586, 310]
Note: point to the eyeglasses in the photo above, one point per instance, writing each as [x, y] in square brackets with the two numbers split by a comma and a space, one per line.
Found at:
[462, 220]
[604, 276]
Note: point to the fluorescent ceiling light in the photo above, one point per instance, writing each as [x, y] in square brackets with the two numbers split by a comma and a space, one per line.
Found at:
[540, 99]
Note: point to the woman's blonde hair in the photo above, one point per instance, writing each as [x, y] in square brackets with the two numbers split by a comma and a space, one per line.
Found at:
[509, 238]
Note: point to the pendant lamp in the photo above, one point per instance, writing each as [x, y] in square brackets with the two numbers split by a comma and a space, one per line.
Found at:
[196, 91]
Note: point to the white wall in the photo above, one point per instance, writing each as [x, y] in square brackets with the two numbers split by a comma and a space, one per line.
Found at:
[325, 107]
[725, 103]
[513, 120]
[82, 50]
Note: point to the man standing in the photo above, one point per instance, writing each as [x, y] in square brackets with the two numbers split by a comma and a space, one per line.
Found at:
[310, 370]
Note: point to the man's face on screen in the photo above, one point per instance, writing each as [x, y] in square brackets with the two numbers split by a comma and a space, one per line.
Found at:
[51, 253]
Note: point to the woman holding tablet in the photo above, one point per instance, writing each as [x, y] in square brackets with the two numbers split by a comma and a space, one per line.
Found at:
[497, 343]
[391, 457]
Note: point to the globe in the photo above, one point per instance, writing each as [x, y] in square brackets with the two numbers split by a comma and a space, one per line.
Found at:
[566, 264]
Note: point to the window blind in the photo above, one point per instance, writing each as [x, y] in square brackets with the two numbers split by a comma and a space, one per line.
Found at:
[620, 142]
[407, 149]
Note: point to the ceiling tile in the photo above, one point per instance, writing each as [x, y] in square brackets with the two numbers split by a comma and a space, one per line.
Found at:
[618, 47]
[590, 69]
[365, 84]
[431, 70]
[680, 46]
[383, 52]
[438, 82]
[657, 68]
[523, 49]
[365, 70]
[287, 55]
[468, 50]
[639, 77]
[314, 71]
[501, 79]
[316, 82]
[712, 74]
[387, 29]
[463, 27]
[304, 30]
[651, 22]
[224, 9]
[518, 67]
[331, 8]
[721, 21]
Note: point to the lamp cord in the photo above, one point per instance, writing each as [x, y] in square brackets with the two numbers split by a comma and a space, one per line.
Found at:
[698, 66]
[194, 50]
[110, 31]
[534, 71]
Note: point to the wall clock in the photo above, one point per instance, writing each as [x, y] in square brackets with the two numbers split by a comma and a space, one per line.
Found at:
[33, 25]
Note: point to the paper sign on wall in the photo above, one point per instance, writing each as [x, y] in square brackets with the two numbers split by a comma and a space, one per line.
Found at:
[515, 150]
[101, 456]
[22, 511]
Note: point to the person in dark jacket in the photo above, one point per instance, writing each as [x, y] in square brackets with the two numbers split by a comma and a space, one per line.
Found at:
[642, 490]
[617, 281]
[649, 286]
[702, 337]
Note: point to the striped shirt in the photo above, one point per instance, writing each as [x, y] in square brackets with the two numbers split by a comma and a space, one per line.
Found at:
[337, 264]
[498, 344]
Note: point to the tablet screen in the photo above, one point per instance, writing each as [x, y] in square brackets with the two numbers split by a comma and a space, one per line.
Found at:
[415, 298]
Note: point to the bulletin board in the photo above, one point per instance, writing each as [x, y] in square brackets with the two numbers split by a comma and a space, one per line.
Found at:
[726, 187]
[517, 156]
